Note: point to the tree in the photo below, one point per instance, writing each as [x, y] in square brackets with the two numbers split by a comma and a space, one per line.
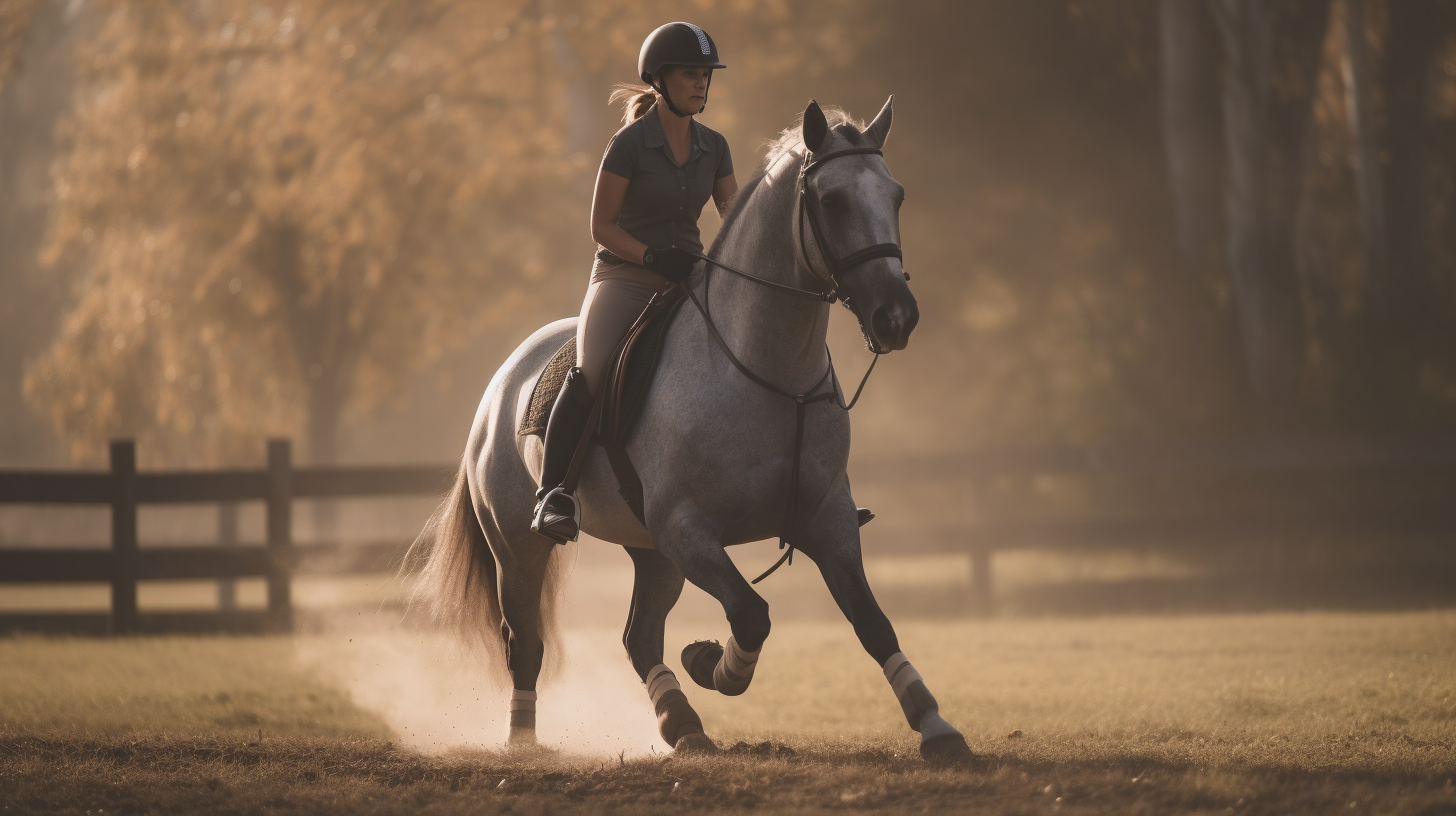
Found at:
[276, 212]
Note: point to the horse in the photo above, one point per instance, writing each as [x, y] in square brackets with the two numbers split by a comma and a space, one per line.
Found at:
[743, 411]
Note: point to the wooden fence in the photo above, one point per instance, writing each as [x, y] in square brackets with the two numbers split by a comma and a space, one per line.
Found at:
[124, 489]
[1279, 468]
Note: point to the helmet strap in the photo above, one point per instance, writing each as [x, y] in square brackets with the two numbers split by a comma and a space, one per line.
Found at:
[666, 97]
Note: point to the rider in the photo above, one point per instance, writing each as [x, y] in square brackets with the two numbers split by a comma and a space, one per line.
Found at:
[658, 172]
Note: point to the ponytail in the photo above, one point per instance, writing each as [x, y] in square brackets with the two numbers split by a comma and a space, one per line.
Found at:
[636, 99]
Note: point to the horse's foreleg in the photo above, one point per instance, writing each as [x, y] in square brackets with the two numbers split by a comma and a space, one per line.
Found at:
[835, 548]
[656, 586]
[698, 553]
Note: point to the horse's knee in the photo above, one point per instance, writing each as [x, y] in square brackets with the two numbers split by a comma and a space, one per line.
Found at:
[750, 623]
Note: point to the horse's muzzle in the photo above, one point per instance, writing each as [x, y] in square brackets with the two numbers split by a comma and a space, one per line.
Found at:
[892, 323]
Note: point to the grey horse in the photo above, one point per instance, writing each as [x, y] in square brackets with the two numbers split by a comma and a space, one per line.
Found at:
[715, 449]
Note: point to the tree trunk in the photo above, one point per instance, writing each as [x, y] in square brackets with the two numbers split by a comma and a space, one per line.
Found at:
[1413, 34]
[323, 428]
[1191, 138]
[309, 329]
[1369, 181]
[1264, 135]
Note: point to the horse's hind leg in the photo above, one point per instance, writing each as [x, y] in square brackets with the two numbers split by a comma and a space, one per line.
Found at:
[832, 541]
[523, 568]
[656, 585]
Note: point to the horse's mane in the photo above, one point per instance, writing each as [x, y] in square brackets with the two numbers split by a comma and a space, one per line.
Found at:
[790, 141]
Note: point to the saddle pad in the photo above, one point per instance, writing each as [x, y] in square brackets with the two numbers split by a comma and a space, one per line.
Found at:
[548, 385]
[640, 371]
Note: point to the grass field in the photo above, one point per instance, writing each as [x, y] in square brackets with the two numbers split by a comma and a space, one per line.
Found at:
[1268, 714]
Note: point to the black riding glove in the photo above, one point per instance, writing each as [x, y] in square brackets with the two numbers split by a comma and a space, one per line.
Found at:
[669, 262]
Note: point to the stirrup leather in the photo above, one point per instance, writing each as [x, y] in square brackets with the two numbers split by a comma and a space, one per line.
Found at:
[554, 521]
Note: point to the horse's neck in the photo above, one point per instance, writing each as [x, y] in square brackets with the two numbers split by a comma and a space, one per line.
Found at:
[778, 336]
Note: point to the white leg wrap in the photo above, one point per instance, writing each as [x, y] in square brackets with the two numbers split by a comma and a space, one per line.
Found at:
[735, 669]
[522, 700]
[523, 717]
[659, 681]
[900, 674]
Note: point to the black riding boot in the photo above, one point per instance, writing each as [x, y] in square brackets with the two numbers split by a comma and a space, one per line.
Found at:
[557, 515]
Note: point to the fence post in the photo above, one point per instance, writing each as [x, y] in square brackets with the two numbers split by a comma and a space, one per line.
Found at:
[979, 546]
[227, 536]
[123, 536]
[981, 603]
[280, 533]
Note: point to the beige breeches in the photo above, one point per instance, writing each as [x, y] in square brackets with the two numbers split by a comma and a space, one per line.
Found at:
[615, 298]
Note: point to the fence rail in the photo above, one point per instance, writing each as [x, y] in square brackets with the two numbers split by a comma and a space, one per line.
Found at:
[126, 563]
[277, 485]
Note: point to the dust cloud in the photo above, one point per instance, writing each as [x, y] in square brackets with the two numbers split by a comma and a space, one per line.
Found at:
[437, 699]
[436, 696]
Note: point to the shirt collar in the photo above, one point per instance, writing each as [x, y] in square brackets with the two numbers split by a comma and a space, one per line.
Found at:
[653, 136]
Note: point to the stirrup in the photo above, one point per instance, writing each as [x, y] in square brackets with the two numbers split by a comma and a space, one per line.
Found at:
[553, 522]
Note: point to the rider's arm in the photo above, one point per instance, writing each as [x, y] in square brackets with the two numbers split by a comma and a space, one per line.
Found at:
[606, 207]
[723, 191]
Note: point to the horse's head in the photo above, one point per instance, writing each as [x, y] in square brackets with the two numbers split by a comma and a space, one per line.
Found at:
[852, 214]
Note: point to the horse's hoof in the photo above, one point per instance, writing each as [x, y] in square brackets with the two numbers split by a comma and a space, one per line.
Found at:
[700, 658]
[521, 739]
[695, 744]
[947, 749]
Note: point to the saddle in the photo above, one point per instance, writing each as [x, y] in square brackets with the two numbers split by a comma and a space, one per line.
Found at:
[634, 364]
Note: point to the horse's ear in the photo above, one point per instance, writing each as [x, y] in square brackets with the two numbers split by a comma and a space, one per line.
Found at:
[816, 127]
[880, 128]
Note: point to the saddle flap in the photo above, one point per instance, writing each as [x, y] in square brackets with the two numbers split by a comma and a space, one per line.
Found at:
[633, 367]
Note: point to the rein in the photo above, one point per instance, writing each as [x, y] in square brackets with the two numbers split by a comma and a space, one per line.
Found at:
[802, 209]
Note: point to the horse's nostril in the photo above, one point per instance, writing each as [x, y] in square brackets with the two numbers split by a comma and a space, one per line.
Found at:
[882, 323]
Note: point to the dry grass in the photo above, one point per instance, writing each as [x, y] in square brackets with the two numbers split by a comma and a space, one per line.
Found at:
[1276, 714]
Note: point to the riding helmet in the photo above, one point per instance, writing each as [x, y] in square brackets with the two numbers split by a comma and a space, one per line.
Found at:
[676, 44]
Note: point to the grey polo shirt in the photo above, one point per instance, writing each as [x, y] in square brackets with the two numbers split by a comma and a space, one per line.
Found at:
[664, 200]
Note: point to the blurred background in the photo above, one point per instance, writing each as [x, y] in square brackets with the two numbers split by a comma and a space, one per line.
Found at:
[1186, 270]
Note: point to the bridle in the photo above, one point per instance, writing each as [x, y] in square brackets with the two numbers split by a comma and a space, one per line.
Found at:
[806, 211]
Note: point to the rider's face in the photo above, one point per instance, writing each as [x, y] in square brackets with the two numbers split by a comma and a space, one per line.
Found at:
[687, 86]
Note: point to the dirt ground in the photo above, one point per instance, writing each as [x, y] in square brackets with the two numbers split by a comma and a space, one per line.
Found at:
[296, 775]
[1312, 713]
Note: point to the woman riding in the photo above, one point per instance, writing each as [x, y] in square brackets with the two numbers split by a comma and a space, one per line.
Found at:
[658, 172]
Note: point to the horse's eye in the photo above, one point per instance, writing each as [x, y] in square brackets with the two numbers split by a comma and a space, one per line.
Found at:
[832, 201]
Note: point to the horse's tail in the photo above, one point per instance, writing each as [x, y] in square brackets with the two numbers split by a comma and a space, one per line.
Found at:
[457, 582]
